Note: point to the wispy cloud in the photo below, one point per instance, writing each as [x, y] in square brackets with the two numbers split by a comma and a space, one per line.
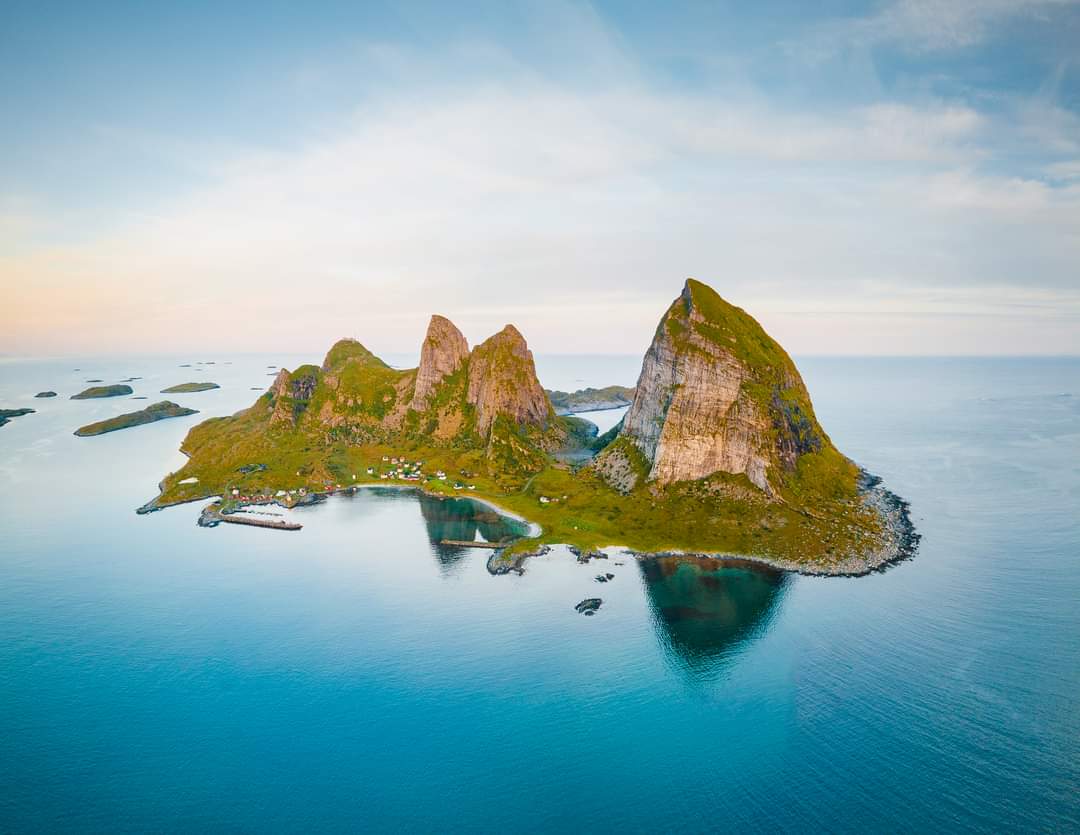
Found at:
[573, 206]
[928, 25]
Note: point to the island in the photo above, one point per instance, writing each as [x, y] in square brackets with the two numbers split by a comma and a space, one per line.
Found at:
[7, 414]
[590, 399]
[152, 413]
[188, 388]
[102, 391]
[45, 394]
[720, 453]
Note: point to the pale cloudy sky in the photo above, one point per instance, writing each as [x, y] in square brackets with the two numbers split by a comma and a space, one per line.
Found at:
[899, 177]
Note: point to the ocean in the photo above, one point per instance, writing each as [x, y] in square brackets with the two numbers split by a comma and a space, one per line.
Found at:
[359, 675]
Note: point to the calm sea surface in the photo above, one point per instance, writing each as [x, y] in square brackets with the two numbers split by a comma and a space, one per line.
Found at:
[358, 676]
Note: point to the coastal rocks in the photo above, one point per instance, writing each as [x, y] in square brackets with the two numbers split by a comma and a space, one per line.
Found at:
[502, 381]
[717, 394]
[604, 578]
[210, 517]
[45, 394]
[589, 606]
[584, 555]
[444, 351]
[499, 563]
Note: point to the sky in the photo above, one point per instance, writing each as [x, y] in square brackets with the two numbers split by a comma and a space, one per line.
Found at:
[896, 177]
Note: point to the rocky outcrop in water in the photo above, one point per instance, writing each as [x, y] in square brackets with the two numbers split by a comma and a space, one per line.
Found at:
[7, 414]
[444, 351]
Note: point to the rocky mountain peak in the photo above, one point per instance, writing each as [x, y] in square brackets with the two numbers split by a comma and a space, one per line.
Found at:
[345, 350]
[717, 394]
[444, 351]
[502, 381]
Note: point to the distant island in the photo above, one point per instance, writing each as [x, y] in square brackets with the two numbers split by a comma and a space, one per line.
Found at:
[720, 452]
[153, 412]
[188, 388]
[590, 399]
[102, 391]
[45, 394]
[7, 414]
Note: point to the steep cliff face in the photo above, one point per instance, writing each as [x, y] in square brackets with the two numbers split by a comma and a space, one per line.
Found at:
[717, 394]
[502, 381]
[291, 394]
[444, 351]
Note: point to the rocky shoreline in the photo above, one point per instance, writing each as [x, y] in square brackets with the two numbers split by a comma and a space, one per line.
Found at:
[901, 539]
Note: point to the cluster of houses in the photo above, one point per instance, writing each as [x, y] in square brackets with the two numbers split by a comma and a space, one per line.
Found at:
[265, 497]
[550, 500]
[402, 469]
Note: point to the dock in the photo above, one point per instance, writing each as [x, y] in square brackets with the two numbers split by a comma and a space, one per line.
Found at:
[473, 543]
[275, 524]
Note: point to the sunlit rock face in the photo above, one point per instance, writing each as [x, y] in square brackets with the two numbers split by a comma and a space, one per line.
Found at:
[717, 394]
[502, 381]
[444, 351]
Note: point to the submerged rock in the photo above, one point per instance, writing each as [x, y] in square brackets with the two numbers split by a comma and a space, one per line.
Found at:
[588, 606]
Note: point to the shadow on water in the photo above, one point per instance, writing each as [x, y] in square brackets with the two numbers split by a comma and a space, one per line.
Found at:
[706, 611]
[462, 519]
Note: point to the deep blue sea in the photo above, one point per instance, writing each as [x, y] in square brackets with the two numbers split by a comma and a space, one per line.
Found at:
[358, 676]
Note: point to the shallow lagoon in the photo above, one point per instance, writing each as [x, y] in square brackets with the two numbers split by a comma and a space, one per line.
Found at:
[358, 674]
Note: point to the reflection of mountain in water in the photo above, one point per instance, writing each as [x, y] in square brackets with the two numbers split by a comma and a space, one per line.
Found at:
[706, 610]
[462, 519]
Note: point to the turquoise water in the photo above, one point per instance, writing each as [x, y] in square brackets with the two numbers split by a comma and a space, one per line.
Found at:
[357, 675]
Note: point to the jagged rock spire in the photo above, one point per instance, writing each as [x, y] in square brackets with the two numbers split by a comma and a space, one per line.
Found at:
[443, 352]
[502, 381]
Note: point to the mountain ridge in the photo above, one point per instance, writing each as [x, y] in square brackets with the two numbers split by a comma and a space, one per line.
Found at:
[719, 452]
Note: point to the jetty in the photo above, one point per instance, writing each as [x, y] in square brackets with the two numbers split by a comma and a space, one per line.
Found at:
[473, 543]
[255, 522]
